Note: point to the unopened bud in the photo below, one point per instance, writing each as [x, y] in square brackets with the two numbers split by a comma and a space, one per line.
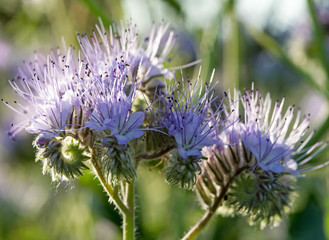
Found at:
[183, 172]
[63, 158]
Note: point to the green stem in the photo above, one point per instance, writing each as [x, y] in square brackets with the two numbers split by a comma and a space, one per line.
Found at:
[113, 193]
[197, 228]
[129, 217]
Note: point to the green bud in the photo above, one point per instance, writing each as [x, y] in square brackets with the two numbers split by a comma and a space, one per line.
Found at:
[63, 158]
[183, 172]
[117, 161]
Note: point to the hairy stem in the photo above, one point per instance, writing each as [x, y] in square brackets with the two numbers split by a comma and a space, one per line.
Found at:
[196, 229]
[129, 217]
[199, 226]
[113, 193]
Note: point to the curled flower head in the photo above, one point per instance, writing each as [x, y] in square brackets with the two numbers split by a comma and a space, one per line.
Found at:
[255, 161]
[51, 103]
[63, 158]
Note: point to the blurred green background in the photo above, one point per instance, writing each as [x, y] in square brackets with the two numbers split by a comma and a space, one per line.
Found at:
[282, 46]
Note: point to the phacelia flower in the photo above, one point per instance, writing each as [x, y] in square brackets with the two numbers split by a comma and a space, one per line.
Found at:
[111, 112]
[73, 105]
[251, 170]
[50, 92]
[278, 141]
[186, 115]
[118, 66]
[185, 118]
[48, 96]
[119, 49]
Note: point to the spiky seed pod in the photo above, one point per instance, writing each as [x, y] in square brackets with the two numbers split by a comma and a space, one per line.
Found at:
[63, 158]
[118, 162]
[154, 145]
[153, 86]
[157, 143]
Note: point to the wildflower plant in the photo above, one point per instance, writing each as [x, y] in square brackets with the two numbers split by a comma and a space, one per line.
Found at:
[114, 104]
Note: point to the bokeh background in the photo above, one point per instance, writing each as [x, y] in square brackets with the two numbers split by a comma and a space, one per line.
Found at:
[281, 46]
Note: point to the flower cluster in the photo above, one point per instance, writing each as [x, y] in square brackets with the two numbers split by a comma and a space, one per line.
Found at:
[95, 107]
[116, 104]
[83, 106]
[255, 161]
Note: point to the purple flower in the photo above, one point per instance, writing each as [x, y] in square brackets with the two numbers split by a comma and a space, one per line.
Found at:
[74, 104]
[191, 133]
[187, 116]
[48, 94]
[256, 160]
[263, 140]
[109, 102]
[118, 64]
[121, 47]
[112, 113]
[185, 113]
[278, 141]
[270, 155]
